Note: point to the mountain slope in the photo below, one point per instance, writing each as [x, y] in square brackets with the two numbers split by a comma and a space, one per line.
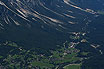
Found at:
[36, 22]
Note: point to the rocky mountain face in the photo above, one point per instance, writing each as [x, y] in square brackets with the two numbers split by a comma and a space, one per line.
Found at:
[35, 22]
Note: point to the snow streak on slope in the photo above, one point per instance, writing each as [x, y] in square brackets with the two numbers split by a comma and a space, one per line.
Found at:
[58, 14]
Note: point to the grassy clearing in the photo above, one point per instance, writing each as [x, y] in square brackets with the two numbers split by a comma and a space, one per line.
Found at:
[73, 66]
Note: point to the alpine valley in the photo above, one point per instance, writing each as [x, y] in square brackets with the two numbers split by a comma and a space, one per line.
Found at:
[51, 34]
